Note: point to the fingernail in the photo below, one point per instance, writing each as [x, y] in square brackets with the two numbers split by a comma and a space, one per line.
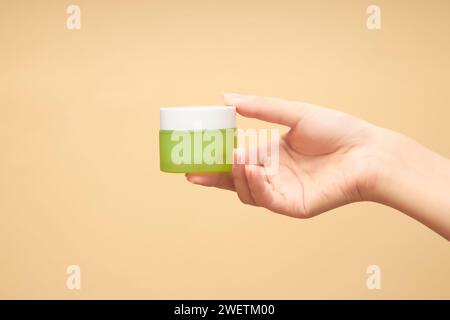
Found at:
[251, 169]
[248, 170]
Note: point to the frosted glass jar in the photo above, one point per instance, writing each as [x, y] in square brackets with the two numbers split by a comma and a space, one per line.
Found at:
[197, 139]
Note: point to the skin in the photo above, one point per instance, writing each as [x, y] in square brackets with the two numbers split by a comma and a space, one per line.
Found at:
[328, 159]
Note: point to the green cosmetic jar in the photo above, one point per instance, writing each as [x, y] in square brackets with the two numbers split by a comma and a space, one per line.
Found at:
[197, 139]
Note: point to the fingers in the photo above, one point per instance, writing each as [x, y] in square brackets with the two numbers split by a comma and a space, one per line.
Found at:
[268, 109]
[240, 179]
[262, 191]
[234, 181]
[218, 180]
[250, 183]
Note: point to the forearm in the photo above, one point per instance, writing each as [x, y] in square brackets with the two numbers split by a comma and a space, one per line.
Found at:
[414, 180]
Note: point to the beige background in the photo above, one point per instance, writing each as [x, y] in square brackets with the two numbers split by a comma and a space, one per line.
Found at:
[79, 176]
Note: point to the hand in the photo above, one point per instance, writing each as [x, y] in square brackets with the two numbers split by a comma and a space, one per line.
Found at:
[325, 159]
[328, 159]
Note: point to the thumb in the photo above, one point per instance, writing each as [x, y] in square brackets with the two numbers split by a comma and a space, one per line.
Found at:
[273, 110]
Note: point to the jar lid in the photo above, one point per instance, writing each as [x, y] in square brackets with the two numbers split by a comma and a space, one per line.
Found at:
[197, 118]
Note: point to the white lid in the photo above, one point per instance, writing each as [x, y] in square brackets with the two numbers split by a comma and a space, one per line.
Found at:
[197, 118]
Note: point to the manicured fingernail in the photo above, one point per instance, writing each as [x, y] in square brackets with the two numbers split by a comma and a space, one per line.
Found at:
[248, 170]
[251, 169]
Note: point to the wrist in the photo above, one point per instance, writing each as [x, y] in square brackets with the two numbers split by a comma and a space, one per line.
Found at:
[387, 164]
[412, 179]
[377, 163]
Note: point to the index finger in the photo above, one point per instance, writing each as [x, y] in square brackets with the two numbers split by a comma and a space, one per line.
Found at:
[273, 110]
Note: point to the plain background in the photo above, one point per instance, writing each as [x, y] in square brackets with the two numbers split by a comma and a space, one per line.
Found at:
[79, 164]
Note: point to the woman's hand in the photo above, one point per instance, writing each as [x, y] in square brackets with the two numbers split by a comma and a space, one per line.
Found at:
[325, 159]
[328, 159]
